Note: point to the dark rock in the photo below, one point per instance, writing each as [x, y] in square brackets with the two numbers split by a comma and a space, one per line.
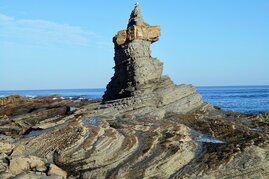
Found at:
[138, 75]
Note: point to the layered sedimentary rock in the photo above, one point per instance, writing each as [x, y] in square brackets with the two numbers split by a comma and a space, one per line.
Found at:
[154, 129]
[10, 100]
[205, 143]
[138, 75]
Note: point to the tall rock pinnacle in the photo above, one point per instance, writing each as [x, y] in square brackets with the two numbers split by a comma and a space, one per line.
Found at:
[139, 76]
[136, 17]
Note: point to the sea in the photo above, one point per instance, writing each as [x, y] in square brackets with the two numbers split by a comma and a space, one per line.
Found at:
[246, 99]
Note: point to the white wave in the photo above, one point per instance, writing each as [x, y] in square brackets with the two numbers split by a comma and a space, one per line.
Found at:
[30, 96]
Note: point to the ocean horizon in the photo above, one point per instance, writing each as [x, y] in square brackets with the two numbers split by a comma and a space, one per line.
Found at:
[246, 99]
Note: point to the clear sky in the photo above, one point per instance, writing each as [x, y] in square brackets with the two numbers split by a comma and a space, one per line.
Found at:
[59, 44]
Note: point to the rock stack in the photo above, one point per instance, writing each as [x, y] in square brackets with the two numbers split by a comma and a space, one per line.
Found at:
[138, 76]
[134, 132]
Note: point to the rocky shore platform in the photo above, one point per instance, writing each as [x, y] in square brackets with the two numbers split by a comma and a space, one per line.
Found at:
[51, 137]
[145, 126]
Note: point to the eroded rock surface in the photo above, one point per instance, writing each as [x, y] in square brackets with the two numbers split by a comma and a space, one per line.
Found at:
[96, 142]
[145, 127]
[138, 75]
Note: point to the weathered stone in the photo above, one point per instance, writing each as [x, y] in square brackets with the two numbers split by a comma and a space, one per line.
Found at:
[137, 74]
[55, 170]
[121, 37]
[145, 142]
[136, 17]
[23, 164]
[18, 118]
[3, 162]
[32, 175]
[10, 99]
[150, 33]
[6, 147]
[151, 129]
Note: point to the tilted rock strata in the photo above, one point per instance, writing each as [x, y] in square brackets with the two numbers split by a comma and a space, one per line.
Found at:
[146, 127]
[19, 117]
[135, 144]
[137, 74]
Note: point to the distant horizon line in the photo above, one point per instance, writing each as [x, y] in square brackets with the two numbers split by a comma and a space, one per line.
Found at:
[95, 88]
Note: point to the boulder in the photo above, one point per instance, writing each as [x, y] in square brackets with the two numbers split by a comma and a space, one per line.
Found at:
[23, 164]
[6, 147]
[55, 170]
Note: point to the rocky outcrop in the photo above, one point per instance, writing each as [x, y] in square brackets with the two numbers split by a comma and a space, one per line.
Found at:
[55, 170]
[32, 167]
[148, 128]
[138, 75]
[141, 143]
[23, 115]
[10, 99]
[135, 32]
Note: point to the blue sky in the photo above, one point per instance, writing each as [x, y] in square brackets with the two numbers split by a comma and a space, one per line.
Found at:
[68, 44]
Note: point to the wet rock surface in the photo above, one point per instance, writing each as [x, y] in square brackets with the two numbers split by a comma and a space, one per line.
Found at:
[145, 127]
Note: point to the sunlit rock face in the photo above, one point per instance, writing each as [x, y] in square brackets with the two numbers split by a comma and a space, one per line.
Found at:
[45, 141]
[138, 75]
[134, 66]
[146, 127]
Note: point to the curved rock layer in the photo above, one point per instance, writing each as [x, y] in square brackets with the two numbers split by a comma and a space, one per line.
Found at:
[87, 143]
[145, 127]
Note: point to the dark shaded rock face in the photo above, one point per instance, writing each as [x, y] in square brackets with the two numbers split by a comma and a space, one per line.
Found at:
[135, 70]
[138, 75]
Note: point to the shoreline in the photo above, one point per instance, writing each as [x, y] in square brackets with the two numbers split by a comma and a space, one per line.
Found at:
[246, 100]
[59, 133]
